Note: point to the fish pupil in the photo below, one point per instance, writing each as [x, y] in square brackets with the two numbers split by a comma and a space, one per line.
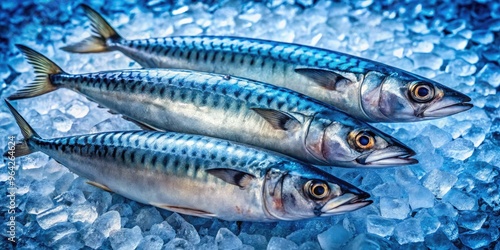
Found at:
[423, 91]
[319, 190]
[364, 140]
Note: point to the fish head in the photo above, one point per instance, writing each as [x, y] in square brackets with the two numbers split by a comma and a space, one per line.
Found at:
[306, 192]
[405, 97]
[351, 143]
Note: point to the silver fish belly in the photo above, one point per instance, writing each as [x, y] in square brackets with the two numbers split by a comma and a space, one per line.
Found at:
[363, 88]
[198, 175]
[231, 108]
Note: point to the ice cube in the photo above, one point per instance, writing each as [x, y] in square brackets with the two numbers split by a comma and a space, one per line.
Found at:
[303, 235]
[428, 223]
[150, 242]
[490, 73]
[178, 243]
[439, 240]
[456, 25]
[147, 217]
[476, 135]
[255, 240]
[163, 230]
[460, 67]
[71, 197]
[408, 231]
[380, 226]
[56, 232]
[392, 190]
[445, 209]
[469, 56]
[227, 240]
[427, 60]
[460, 200]
[36, 203]
[100, 199]
[482, 36]
[429, 161]
[52, 216]
[93, 238]
[77, 109]
[85, 213]
[491, 54]
[63, 183]
[208, 242]
[455, 42]
[449, 227]
[183, 229]
[439, 182]
[369, 242]
[107, 223]
[125, 238]
[334, 237]
[437, 136]
[477, 239]
[394, 208]
[483, 171]
[419, 197]
[472, 220]
[278, 243]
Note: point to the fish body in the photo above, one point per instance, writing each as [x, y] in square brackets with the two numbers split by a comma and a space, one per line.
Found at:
[198, 175]
[231, 108]
[364, 89]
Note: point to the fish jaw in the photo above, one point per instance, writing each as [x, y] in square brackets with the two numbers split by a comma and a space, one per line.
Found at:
[345, 203]
[390, 156]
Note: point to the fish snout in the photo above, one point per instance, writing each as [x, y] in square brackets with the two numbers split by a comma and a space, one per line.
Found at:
[452, 102]
[350, 200]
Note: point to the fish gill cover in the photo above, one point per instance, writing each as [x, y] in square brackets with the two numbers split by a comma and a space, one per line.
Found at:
[451, 199]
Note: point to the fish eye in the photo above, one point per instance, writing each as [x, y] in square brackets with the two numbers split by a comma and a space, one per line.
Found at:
[317, 189]
[421, 92]
[364, 140]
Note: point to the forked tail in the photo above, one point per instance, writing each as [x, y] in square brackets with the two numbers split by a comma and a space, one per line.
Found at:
[22, 148]
[44, 67]
[102, 32]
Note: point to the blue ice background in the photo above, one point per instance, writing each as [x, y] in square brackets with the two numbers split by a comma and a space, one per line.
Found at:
[450, 200]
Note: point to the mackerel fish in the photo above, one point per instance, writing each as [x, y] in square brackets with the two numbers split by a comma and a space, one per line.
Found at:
[227, 107]
[198, 175]
[364, 89]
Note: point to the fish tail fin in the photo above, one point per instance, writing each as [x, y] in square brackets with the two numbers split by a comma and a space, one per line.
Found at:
[102, 32]
[44, 67]
[21, 148]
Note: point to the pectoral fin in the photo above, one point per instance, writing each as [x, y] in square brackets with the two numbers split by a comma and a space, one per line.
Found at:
[185, 210]
[278, 119]
[99, 185]
[235, 177]
[325, 78]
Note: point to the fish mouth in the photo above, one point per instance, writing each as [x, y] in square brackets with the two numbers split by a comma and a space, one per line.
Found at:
[390, 156]
[346, 203]
[452, 103]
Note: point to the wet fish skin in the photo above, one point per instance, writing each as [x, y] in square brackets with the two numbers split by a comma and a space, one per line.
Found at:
[197, 175]
[227, 107]
[365, 89]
